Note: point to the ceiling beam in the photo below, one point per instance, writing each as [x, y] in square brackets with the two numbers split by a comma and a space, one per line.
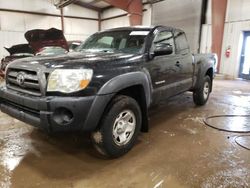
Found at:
[145, 3]
[62, 4]
[87, 5]
[108, 7]
[122, 4]
[133, 7]
[94, 2]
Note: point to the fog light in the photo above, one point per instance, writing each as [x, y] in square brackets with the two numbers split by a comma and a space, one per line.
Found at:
[62, 116]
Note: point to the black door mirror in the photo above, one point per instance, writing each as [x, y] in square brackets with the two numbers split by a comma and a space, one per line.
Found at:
[163, 49]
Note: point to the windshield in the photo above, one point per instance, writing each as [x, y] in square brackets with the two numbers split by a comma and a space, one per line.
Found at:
[113, 41]
[52, 51]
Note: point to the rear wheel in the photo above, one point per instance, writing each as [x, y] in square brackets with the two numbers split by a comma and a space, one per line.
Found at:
[201, 94]
[119, 127]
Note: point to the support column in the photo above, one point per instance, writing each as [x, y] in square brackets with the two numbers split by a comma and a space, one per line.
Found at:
[62, 19]
[133, 7]
[99, 21]
[219, 8]
[135, 12]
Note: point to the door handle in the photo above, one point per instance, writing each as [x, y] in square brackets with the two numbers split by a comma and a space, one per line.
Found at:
[177, 64]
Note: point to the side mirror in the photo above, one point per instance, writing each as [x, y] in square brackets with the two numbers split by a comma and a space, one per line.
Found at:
[163, 49]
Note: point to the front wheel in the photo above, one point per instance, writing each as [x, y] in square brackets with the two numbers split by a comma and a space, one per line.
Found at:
[201, 94]
[119, 127]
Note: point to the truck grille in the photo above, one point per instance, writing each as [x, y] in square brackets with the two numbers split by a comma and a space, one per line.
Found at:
[25, 81]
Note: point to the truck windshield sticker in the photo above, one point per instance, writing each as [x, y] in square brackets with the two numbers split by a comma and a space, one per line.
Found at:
[139, 33]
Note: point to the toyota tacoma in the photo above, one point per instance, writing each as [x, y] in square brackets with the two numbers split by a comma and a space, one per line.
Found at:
[108, 85]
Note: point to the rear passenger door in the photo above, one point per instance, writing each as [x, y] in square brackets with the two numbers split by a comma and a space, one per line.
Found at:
[184, 60]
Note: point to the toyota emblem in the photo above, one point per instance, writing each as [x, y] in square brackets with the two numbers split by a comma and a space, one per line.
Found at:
[20, 78]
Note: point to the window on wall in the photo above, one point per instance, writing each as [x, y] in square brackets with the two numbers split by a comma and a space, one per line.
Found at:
[164, 37]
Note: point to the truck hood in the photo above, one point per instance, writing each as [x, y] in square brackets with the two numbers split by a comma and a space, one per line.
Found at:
[39, 38]
[77, 60]
[20, 49]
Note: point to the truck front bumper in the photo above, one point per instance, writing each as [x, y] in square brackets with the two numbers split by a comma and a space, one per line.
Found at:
[54, 113]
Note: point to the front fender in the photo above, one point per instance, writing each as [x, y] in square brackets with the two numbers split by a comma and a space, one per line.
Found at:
[108, 91]
[121, 82]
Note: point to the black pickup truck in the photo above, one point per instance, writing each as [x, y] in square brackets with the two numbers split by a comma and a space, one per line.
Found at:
[108, 85]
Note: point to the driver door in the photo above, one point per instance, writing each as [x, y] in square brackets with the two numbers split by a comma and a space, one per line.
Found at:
[163, 68]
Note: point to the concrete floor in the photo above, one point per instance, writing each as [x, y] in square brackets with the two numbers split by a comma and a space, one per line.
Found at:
[178, 151]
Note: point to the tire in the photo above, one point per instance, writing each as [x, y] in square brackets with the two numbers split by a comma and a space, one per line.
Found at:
[119, 127]
[201, 94]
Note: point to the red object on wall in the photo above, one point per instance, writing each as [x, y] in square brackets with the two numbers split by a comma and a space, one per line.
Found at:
[228, 52]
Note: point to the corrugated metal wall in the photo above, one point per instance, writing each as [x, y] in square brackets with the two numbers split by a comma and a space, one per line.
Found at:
[184, 14]
[14, 25]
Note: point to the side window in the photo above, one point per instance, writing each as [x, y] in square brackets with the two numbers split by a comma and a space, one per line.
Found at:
[164, 37]
[122, 43]
[181, 42]
[105, 42]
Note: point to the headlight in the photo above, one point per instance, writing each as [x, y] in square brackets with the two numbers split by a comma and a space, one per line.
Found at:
[69, 80]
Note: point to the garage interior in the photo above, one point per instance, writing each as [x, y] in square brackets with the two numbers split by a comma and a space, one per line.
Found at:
[186, 146]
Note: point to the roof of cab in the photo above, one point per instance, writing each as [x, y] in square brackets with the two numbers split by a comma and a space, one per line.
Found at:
[144, 28]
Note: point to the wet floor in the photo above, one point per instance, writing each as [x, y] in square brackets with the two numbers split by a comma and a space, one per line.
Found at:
[179, 150]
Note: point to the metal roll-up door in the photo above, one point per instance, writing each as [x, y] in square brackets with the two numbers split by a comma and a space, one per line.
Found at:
[182, 14]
